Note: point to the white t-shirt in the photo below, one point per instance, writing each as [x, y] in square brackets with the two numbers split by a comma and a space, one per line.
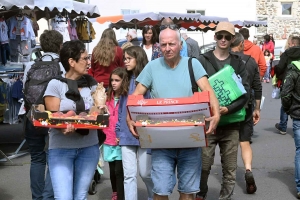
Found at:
[148, 52]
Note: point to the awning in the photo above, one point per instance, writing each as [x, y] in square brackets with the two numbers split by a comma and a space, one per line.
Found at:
[49, 8]
[184, 20]
[245, 23]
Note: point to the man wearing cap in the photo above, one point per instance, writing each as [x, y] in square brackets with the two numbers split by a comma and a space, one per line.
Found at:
[226, 136]
[132, 37]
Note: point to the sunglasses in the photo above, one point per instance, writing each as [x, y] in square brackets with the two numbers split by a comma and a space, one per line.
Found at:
[170, 26]
[148, 26]
[220, 37]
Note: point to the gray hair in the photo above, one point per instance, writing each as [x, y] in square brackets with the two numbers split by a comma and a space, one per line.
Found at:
[177, 34]
[238, 38]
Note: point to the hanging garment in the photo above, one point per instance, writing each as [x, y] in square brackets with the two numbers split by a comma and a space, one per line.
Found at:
[3, 32]
[5, 53]
[85, 30]
[21, 26]
[18, 48]
[60, 24]
[72, 30]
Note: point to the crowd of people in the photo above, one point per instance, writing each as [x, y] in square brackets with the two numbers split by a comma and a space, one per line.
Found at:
[143, 69]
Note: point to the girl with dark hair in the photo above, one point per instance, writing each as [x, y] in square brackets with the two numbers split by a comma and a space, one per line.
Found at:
[73, 154]
[268, 44]
[268, 58]
[149, 44]
[118, 85]
[135, 60]
[106, 56]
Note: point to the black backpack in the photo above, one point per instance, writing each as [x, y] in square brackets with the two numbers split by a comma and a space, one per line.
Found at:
[38, 77]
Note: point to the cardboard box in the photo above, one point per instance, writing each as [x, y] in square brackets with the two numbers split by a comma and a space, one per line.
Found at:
[172, 122]
[42, 118]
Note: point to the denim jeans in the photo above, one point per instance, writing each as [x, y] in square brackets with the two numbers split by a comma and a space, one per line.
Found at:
[296, 130]
[131, 157]
[283, 120]
[267, 73]
[164, 163]
[5, 53]
[41, 187]
[72, 171]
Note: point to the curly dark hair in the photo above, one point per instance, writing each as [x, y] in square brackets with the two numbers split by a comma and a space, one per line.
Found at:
[51, 41]
[122, 73]
[154, 34]
[71, 49]
[141, 59]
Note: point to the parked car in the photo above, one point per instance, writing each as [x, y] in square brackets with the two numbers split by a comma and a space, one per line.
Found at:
[207, 47]
[277, 49]
[122, 41]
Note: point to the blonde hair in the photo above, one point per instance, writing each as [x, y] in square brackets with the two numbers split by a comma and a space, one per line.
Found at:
[105, 51]
[126, 45]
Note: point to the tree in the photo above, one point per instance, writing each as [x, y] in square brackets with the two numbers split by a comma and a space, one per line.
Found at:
[80, 1]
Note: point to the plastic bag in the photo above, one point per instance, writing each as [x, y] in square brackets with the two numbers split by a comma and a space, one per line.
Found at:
[276, 93]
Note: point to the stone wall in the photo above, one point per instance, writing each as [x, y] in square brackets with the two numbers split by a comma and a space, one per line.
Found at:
[278, 24]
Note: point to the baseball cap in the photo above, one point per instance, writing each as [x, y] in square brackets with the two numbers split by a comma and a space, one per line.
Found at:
[225, 26]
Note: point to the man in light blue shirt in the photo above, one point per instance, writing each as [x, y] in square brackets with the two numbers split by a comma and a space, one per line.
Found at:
[168, 77]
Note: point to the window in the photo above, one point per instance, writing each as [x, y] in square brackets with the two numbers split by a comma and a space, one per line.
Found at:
[202, 12]
[129, 11]
[286, 8]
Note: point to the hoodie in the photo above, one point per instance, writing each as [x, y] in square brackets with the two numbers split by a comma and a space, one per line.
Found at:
[290, 93]
[286, 58]
[255, 52]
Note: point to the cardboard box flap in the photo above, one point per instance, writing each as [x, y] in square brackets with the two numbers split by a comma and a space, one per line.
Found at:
[138, 100]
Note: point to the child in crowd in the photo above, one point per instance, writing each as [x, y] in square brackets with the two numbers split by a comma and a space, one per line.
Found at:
[135, 59]
[118, 85]
[268, 57]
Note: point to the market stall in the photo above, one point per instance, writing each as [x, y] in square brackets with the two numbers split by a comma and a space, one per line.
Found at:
[20, 19]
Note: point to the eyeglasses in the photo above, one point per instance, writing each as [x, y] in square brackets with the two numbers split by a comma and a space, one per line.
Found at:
[170, 26]
[87, 58]
[148, 26]
[220, 37]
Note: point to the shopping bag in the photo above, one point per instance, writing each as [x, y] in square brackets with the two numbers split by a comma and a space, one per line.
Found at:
[238, 116]
[276, 92]
[227, 85]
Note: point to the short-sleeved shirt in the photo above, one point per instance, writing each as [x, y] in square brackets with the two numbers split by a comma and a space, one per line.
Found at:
[166, 82]
[57, 139]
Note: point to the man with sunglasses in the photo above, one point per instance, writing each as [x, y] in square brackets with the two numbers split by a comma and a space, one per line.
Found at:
[168, 77]
[168, 23]
[226, 136]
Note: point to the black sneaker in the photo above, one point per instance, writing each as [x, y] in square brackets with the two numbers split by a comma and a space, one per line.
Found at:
[279, 129]
[250, 183]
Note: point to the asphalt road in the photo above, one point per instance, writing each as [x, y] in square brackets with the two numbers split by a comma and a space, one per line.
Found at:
[273, 164]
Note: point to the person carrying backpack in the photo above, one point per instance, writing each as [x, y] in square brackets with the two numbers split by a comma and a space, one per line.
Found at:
[252, 110]
[290, 99]
[41, 187]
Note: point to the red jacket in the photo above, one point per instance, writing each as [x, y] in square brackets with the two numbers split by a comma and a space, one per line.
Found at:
[255, 52]
[110, 132]
[101, 73]
[269, 46]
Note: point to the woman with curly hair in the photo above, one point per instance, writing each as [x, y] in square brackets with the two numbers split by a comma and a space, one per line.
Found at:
[106, 56]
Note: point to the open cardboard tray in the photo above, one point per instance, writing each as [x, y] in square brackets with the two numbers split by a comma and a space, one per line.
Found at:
[40, 117]
[172, 122]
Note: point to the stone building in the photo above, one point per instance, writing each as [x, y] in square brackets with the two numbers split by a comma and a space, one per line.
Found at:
[283, 17]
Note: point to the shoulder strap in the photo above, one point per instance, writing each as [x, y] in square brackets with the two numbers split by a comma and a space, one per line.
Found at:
[192, 77]
[248, 58]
